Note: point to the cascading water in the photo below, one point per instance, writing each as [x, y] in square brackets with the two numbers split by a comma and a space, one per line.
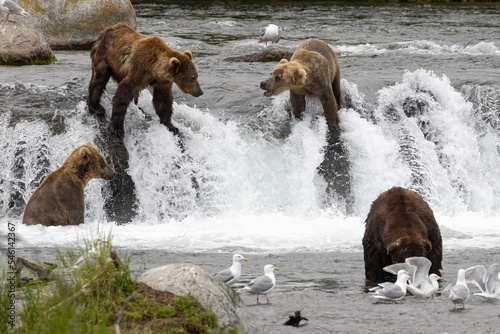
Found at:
[223, 184]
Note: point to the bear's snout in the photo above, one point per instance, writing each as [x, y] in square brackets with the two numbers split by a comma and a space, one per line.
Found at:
[197, 90]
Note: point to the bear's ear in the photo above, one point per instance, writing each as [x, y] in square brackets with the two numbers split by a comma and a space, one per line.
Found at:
[175, 64]
[84, 152]
[189, 54]
[299, 76]
[283, 61]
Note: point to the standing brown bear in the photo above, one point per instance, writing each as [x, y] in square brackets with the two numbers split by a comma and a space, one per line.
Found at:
[60, 199]
[136, 61]
[400, 225]
[312, 70]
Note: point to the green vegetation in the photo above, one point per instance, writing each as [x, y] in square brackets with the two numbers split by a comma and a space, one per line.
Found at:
[99, 296]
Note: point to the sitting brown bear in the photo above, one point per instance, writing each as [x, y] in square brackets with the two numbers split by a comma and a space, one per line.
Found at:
[136, 61]
[312, 70]
[59, 199]
[400, 225]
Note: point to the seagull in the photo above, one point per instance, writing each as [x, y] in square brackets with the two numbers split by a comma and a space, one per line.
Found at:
[92, 255]
[488, 281]
[388, 291]
[459, 293]
[264, 284]
[233, 273]
[271, 34]
[10, 7]
[295, 319]
[421, 284]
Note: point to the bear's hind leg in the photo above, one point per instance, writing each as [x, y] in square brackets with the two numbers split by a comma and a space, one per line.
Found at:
[100, 77]
[331, 114]
[336, 90]
[162, 101]
[125, 93]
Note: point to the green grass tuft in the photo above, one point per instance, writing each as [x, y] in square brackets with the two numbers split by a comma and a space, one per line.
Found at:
[98, 294]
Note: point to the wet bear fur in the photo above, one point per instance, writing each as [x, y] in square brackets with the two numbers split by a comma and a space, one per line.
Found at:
[135, 62]
[60, 199]
[400, 224]
[312, 70]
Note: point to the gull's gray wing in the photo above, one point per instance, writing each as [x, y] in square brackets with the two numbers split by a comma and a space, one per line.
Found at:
[260, 284]
[396, 267]
[459, 292]
[420, 277]
[393, 292]
[224, 275]
[491, 279]
[12, 7]
[476, 275]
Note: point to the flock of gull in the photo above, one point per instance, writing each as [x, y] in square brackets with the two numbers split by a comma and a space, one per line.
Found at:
[412, 276]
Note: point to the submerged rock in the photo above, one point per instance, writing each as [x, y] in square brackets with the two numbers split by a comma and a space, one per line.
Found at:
[21, 45]
[190, 280]
[70, 24]
[263, 56]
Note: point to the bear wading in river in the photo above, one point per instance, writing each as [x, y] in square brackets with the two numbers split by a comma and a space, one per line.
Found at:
[60, 198]
[400, 224]
[136, 61]
[312, 70]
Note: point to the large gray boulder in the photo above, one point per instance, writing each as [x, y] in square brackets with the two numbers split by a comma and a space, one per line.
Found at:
[190, 280]
[20, 45]
[71, 24]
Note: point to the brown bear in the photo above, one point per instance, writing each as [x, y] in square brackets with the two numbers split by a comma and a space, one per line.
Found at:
[59, 199]
[400, 225]
[312, 70]
[136, 61]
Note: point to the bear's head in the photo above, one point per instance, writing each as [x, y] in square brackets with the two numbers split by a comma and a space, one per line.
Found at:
[405, 247]
[286, 75]
[87, 163]
[180, 69]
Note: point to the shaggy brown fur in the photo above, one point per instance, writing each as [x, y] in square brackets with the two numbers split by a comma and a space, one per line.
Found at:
[312, 70]
[60, 199]
[400, 225]
[136, 61]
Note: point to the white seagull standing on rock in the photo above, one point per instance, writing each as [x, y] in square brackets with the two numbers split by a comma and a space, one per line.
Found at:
[264, 284]
[271, 34]
[10, 7]
[233, 273]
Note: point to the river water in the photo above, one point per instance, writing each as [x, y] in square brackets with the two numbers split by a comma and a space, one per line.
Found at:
[420, 109]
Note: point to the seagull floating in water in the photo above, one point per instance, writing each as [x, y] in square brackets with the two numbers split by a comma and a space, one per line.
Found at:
[421, 284]
[488, 281]
[392, 292]
[459, 293]
[271, 34]
[264, 284]
[10, 7]
[233, 273]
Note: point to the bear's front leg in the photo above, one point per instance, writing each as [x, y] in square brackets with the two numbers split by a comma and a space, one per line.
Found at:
[162, 101]
[125, 93]
[298, 103]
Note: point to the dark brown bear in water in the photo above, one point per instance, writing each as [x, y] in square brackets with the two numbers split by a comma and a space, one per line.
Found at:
[60, 199]
[312, 70]
[400, 225]
[136, 61]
